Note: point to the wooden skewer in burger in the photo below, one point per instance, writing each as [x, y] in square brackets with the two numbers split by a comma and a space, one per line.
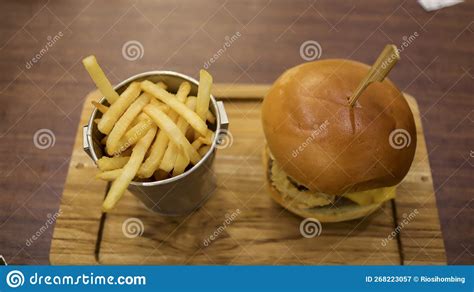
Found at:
[328, 126]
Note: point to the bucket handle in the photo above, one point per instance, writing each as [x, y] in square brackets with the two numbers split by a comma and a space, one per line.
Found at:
[85, 141]
[224, 120]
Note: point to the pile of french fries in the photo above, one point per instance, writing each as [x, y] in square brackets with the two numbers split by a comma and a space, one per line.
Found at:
[150, 133]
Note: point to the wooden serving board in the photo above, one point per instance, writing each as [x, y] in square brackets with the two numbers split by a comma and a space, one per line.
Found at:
[262, 232]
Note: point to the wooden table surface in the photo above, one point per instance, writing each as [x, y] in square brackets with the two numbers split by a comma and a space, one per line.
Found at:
[43, 84]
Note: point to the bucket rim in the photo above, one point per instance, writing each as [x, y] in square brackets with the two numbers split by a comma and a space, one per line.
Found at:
[155, 73]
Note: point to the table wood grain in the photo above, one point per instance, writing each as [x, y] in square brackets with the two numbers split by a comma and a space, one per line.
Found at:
[43, 84]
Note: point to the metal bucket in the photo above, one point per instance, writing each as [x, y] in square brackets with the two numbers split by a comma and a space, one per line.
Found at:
[181, 194]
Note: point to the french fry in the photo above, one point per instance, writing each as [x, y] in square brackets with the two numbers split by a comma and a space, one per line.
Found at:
[169, 158]
[156, 155]
[102, 108]
[157, 149]
[203, 150]
[196, 144]
[191, 117]
[141, 117]
[180, 165]
[183, 161]
[124, 122]
[97, 121]
[210, 117]
[182, 123]
[183, 127]
[114, 112]
[166, 124]
[103, 141]
[161, 84]
[183, 91]
[208, 139]
[203, 97]
[139, 130]
[161, 105]
[111, 163]
[109, 175]
[133, 135]
[99, 78]
[160, 175]
[129, 170]
[127, 152]
[155, 101]
[204, 94]
[164, 108]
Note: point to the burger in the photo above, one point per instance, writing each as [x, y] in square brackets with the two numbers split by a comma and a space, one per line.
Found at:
[325, 159]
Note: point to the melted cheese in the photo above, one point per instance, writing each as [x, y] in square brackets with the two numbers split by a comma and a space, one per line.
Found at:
[308, 199]
[369, 197]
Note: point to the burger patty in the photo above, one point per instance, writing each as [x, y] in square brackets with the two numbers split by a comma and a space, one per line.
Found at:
[299, 194]
[301, 188]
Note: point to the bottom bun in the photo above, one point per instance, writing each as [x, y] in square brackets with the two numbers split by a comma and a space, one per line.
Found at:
[323, 214]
